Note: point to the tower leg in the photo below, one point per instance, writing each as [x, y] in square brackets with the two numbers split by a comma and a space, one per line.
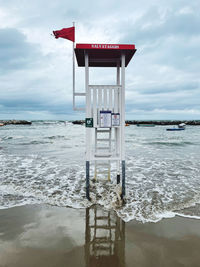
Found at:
[118, 172]
[123, 178]
[88, 180]
[118, 178]
[95, 170]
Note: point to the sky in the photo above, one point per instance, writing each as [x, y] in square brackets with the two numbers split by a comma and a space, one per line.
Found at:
[162, 79]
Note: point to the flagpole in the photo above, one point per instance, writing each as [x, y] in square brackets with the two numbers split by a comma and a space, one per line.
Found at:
[73, 70]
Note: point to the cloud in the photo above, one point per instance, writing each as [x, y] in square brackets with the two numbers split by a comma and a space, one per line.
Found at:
[159, 114]
[170, 87]
[16, 52]
[36, 69]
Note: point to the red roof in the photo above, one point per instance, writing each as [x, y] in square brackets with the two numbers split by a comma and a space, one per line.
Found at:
[104, 55]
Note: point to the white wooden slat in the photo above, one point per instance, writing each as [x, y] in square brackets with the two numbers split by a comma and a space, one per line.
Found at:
[99, 103]
[99, 98]
[105, 98]
[116, 100]
[110, 100]
[95, 107]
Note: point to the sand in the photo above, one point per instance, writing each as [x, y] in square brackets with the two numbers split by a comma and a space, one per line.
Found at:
[40, 235]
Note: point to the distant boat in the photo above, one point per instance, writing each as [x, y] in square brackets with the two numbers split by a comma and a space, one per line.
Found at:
[175, 129]
[181, 127]
[1, 124]
[126, 124]
[145, 125]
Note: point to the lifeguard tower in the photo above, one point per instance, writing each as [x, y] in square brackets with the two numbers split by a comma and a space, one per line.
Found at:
[105, 109]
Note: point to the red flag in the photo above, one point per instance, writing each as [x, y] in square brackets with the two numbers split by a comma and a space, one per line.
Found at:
[66, 33]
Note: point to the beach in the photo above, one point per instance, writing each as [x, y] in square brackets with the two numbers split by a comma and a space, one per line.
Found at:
[42, 235]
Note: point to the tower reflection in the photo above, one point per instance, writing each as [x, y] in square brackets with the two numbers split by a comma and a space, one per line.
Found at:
[104, 238]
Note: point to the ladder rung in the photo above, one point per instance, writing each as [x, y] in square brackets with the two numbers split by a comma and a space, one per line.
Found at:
[102, 218]
[106, 227]
[103, 241]
[101, 248]
[113, 158]
[103, 131]
[103, 139]
[103, 147]
[79, 94]
[105, 164]
[102, 155]
[102, 172]
[79, 109]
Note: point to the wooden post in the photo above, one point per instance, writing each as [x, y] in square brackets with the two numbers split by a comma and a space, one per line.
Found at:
[123, 123]
[117, 130]
[88, 130]
[88, 180]
[123, 179]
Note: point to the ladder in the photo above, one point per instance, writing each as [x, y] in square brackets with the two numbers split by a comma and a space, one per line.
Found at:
[104, 238]
[103, 143]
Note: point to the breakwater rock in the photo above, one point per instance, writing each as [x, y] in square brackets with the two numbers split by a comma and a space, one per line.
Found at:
[78, 122]
[161, 122]
[164, 122]
[15, 122]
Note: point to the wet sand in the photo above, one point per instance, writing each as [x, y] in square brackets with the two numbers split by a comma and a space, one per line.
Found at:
[39, 235]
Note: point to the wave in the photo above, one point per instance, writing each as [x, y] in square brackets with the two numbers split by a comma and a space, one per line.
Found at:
[7, 138]
[152, 193]
[158, 185]
[34, 142]
[53, 137]
[168, 143]
[106, 196]
[41, 122]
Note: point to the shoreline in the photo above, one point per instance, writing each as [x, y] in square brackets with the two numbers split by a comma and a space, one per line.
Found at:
[130, 122]
[43, 235]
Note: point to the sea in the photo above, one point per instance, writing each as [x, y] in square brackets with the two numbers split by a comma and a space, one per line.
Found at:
[44, 163]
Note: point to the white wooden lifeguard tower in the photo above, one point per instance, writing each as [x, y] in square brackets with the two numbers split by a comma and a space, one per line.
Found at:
[105, 108]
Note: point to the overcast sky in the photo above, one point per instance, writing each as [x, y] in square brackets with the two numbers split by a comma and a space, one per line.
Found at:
[162, 80]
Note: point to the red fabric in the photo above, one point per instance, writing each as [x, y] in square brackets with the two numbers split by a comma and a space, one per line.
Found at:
[66, 33]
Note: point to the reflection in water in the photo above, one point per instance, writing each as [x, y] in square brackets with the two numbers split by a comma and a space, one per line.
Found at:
[104, 238]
